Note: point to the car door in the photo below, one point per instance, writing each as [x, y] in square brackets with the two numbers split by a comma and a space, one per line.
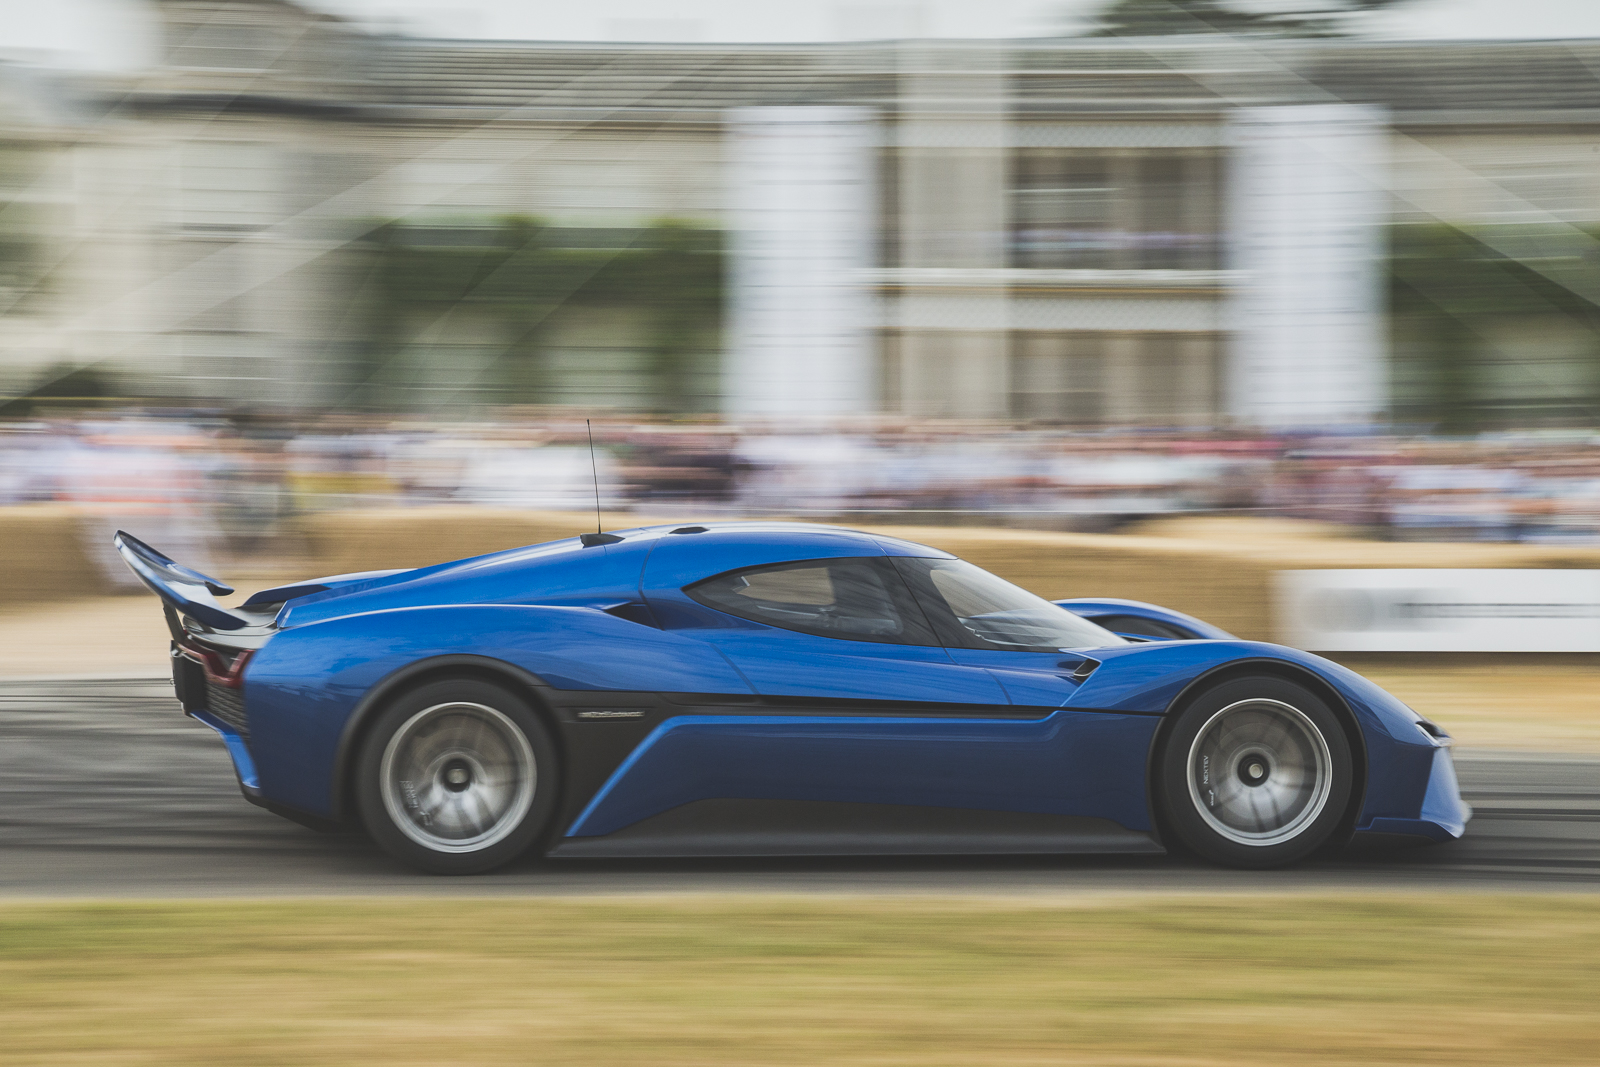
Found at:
[866, 736]
[1035, 649]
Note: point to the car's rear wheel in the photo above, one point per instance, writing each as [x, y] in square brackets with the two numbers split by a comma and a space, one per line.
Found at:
[456, 777]
[1256, 772]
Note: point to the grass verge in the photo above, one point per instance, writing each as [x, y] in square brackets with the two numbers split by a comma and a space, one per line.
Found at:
[1443, 979]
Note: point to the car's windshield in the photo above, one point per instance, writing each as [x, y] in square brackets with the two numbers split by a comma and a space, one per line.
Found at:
[993, 613]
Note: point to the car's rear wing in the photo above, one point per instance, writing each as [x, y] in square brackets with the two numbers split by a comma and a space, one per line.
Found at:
[184, 590]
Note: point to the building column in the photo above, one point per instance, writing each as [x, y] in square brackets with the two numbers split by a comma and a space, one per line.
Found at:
[801, 197]
[1307, 207]
[953, 169]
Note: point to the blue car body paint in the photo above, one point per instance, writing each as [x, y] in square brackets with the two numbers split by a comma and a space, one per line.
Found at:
[744, 710]
[1069, 763]
[243, 765]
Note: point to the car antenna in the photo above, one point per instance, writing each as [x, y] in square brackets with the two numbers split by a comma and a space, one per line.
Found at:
[596, 538]
[594, 469]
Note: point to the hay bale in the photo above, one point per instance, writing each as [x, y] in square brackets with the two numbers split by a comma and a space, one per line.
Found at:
[1226, 582]
[381, 538]
[44, 554]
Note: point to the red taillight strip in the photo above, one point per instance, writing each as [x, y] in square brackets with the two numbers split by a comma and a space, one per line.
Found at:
[218, 670]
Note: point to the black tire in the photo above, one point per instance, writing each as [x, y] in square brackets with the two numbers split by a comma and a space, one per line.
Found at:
[1256, 773]
[457, 776]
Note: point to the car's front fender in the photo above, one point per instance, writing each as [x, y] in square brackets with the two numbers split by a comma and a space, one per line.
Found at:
[1401, 757]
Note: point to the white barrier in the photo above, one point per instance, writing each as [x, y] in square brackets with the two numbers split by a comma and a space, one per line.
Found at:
[1440, 610]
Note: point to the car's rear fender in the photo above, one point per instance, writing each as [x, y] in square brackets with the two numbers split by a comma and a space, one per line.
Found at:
[435, 668]
[304, 688]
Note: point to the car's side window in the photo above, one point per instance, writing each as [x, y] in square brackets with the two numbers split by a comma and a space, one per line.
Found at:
[856, 599]
[976, 609]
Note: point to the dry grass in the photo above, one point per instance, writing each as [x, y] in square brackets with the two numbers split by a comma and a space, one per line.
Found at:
[1452, 979]
[46, 640]
[1501, 703]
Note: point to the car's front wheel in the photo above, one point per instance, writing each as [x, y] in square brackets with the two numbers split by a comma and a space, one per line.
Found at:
[456, 777]
[1256, 772]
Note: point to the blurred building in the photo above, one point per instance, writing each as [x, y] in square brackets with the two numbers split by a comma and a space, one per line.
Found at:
[1157, 232]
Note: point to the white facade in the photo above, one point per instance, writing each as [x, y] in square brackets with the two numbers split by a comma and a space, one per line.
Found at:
[800, 193]
[1307, 206]
[980, 230]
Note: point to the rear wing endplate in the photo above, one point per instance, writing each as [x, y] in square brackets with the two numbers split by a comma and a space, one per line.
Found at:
[188, 591]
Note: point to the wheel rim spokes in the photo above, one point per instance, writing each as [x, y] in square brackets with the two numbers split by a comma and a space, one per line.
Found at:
[1259, 772]
[458, 777]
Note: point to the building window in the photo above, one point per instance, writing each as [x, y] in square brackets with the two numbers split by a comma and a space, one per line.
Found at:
[33, 211]
[1089, 378]
[1058, 377]
[888, 208]
[227, 196]
[1122, 209]
[228, 186]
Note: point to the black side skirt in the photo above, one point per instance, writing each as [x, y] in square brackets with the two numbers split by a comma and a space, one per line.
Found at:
[829, 828]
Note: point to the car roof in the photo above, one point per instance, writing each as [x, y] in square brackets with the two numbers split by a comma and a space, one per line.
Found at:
[793, 534]
[570, 569]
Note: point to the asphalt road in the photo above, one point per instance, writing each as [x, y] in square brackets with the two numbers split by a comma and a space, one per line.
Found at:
[107, 790]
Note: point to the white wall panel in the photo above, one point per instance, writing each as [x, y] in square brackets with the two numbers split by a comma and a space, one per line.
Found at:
[1307, 208]
[801, 214]
[1440, 610]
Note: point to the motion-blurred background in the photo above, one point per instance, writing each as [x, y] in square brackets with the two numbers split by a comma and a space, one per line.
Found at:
[1283, 313]
[1056, 265]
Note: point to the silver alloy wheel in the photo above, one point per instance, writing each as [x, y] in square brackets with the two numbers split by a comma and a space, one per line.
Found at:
[1259, 772]
[457, 777]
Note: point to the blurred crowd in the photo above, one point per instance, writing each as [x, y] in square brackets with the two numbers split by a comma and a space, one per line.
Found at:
[238, 481]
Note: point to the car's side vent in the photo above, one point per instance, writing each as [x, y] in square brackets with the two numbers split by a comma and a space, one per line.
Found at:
[635, 611]
[1084, 669]
[1435, 731]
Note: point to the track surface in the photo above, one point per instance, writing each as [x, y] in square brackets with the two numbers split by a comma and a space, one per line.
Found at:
[106, 789]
